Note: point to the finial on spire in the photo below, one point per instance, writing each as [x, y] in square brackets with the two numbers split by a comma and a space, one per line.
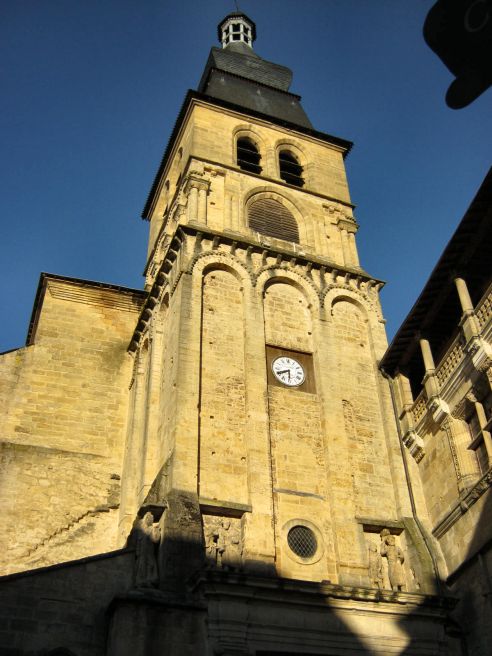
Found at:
[237, 28]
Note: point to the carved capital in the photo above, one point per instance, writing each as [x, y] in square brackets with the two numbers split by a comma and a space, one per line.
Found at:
[461, 409]
[195, 180]
[438, 408]
[485, 367]
[414, 443]
[481, 354]
[345, 222]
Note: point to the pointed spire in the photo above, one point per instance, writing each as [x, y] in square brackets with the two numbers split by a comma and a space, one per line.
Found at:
[236, 27]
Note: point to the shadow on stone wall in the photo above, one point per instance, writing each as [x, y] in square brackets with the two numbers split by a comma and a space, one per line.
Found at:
[471, 584]
[171, 596]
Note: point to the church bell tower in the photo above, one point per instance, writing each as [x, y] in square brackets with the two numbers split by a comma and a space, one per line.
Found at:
[261, 436]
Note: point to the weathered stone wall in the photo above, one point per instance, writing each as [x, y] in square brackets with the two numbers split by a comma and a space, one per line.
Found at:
[63, 432]
[57, 505]
[63, 606]
[471, 586]
[367, 458]
[205, 157]
[223, 466]
[437, 475]
[214, 141]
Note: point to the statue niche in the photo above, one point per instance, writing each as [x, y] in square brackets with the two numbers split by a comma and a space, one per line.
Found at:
[395, 559]
[147, 536]
[375, 567]
[223, 542]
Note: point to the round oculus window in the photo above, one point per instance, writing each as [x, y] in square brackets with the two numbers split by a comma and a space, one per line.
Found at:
[302, 541]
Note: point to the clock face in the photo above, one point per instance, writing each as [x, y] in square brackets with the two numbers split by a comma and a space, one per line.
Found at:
[288, 371]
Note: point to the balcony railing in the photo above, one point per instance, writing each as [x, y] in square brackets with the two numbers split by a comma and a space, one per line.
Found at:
[484, 310]
[419, 407]
[450, 361]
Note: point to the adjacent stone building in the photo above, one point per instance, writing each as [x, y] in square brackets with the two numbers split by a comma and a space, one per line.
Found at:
[441, 365]
[218, 464]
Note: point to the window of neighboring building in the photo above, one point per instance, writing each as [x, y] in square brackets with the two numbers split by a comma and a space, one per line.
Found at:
[248, 157]
[269, 217]
[290, 169]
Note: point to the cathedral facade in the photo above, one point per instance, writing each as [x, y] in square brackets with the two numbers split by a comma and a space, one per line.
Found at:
[218, 464]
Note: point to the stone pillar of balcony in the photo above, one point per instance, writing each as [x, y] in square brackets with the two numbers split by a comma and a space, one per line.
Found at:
[483, 421]
[463, 458]
[404, 398]
[479, 350]
[435, 404]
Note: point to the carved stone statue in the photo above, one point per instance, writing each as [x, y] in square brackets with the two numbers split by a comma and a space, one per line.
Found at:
[148, 535]
[395, 558]
[223, 542]
[211, 533]
[232, 544]
[375, 567]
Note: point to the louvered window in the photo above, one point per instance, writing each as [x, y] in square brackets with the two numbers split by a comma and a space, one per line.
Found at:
[290, 169]
[271, 218]
[248, 157]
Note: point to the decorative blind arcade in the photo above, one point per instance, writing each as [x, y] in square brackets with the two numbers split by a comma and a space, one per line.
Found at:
[271, 218]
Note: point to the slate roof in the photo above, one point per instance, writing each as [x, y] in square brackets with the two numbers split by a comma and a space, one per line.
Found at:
[240, 59]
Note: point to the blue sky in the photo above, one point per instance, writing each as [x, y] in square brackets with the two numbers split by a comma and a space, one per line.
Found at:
[90, 90]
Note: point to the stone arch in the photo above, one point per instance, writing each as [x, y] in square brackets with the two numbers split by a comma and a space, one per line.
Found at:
[288, 313]
[269, 275]
[298, 150]
[162, 242]
[295, 146]
[352, 300]
[165, 300]
[336, 292]
[248, 130]
[350, 322]
[266, 193]
[205, 262]
[160, 311]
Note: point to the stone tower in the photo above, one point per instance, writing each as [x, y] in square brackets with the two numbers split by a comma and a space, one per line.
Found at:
[265, 504]
[261, 434]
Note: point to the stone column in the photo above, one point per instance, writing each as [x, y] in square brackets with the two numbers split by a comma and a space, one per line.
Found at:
[196, 189]
[430, 381]
[464, 296]
[353, 249]
[202, 204]
[345, 246]
[482, 420]
[228, 212]
[348, 228]
[234, 213]
[468, 323]
[427, 356]
[463, 458]
[486, 369]
[404, 401]
[435, 404]
[193, 204]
